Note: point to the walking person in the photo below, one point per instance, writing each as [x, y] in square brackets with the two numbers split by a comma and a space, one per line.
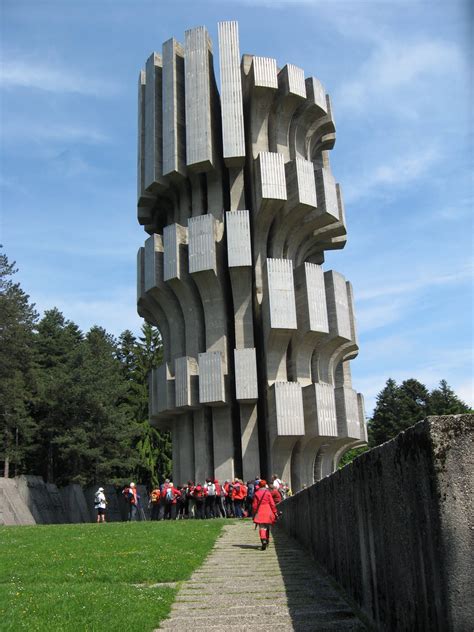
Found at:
[264, 512]
[100, 504]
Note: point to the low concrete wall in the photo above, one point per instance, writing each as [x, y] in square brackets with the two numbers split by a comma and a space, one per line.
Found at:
[29, 500]
[395, 527]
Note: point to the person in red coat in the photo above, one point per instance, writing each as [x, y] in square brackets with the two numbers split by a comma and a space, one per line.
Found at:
[264, 512]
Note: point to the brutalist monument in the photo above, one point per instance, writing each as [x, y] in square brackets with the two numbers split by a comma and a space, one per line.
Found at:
[237, 194]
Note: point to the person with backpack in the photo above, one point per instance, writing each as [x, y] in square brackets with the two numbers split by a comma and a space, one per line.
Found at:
[229, 504]
[154, 503]
[130, 494]
[237, 497]
[210, 499]
[100, 504]
[191, 502]
[264, 512]
[220, 498]
[250, 495]
[171, 495]
[199, 496]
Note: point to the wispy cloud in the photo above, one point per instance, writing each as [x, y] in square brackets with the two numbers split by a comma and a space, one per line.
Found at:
[31, 74]
[401, 172]
[52, 132]
[396, 71]
[422, 282]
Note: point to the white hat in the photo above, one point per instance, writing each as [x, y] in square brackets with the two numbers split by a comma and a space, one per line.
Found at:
[132, 484]
[101, 489]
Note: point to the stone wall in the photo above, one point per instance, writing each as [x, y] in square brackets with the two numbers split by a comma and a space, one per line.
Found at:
[395, 527]
[27, 500]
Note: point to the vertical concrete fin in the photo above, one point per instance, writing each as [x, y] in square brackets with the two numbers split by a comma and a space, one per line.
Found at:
[239, 251]
[153, 177]
[233, 136]
[198, 99]
[174, 141]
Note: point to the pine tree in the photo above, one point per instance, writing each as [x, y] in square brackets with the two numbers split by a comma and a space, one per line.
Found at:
[399, 407]
[414, 398]
[58, 373]
[17, 320]
[138, 358]
[384, 423]
[444, 401]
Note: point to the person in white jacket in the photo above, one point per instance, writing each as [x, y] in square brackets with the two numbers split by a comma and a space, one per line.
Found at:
[100, 504]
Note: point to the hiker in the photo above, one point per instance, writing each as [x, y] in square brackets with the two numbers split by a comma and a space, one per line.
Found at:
[131, 495]
[181, 503]
[100, 504]
[264, 512]
[249, 499]
[210, 500]
[229, 505]
[171, 495]
[154, 503]
[191, 502]
[220, 499]
[276, 482]
[199, 495]
[237, 497]
[276, 493]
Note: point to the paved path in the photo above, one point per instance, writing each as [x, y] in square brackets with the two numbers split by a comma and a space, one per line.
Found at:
[240, 587]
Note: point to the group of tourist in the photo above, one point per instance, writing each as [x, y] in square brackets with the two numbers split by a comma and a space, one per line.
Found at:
[212, 499]
[231, 499]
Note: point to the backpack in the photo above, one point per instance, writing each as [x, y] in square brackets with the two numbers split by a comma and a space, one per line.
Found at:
[155, 496]
[97, 498]
[250, 491]
[211, 489]
[169, 495]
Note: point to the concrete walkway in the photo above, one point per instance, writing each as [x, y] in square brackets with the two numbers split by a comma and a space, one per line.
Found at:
[240, 587]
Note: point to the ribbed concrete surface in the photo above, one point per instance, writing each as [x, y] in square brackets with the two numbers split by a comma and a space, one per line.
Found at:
[242, 588]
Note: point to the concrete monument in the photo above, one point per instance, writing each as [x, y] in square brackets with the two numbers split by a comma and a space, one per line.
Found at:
[237, 194]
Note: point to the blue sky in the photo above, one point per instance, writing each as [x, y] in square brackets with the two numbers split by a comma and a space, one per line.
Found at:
[398, 75]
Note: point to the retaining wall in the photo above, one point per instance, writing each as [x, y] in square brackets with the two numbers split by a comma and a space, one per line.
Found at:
[395, 527]
[29, 500]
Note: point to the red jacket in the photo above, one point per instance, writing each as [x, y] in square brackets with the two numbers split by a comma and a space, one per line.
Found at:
[176, 493]
[199, 492]
[263, 507]
[276, 496]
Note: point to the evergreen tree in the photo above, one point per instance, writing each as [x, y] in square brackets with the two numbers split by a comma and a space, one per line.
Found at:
[138, 358]
[414, 401]
[58, 372]
[444, 401]
[17, 320]
[399, 407]
[387, 414]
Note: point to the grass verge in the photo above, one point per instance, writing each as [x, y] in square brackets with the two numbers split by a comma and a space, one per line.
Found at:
[97, 577]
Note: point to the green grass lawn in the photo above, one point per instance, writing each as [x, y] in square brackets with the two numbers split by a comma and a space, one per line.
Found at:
[97, 577]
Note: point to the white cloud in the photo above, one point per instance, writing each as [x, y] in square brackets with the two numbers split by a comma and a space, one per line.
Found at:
[398, 71]
[51, 132]
[31, 74]
[401, 172]
[424, 281]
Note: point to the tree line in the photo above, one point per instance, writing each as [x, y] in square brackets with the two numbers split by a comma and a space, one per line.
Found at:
[399, 406]
[74, 405]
